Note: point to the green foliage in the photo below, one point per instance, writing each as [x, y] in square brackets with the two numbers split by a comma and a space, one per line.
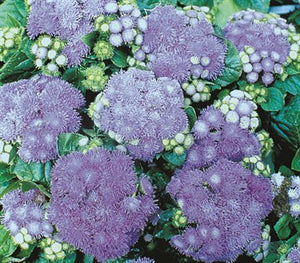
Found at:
[296, 161]
[13, 13]
[233, 66]
[32, 172]
[70, 142]
[291, 84]
[7, 247]
[286, 123]
[150, 4]
[275, 100]
[119, 59]
[282, 227]
[174, 159]
[192, 116]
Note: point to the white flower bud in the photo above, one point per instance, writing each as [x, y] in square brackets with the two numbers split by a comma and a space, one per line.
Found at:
[61, 60]
[9, 43]
[196, 97]
[39, 63]
[51, 54]
[46, 41]
[111, 7]
[18, 238]
[232, 116]
[52, 67]
[190, 90]
[41, 53]
[56, 247]
[245, 122]
[195, 60]
[142, 24]
[247, 68]
[179, 137]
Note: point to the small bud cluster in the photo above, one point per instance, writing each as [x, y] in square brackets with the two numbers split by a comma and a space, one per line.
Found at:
[279, 25]
[179, 220]
[294, 55]
[23, 238]
[101, 24]
[10, 38]
[133, 62]
[277, 180]
[103, 50]
[181, 142]
[255, 62]
[239, 108]
[266, 142]
[47, 51]
[128, 25]
[54, 250]
[196, 91]
[5, 149]
[261, 252]
[294, 196]
[195, 14]
[95, 78]
[257, 166]
[258, 93]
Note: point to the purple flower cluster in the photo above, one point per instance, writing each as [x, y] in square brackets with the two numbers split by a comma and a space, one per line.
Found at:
[217, 139]
[95, 204]
[124, 28]
[178, 49]
[68, 19]
[294, 196]
[294, 255]
[226, 202]
[23, 210]
[141, 111]
[38, 110]
[263, 49]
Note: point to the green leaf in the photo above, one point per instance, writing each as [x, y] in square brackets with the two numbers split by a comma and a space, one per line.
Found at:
[88, 259]
[286, 123]
[275, 100]
[223, 10]
[150, 4]
[296, 161]
[282, 227]
[74, 76]
[285, 171]
[167, 232]
[119, 59]
[12, 11]
[7, 187]
[259, 5]
[174, 159]
[291, 84]
[69, 142]
[26, 186]
[7, 247]
[273, 255]
[90, 39]
[5, 175]
[233, 66]
[192, 116]
[197, 2]
[166, 215]
[32, 172]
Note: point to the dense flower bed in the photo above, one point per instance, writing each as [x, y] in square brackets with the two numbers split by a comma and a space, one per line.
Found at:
[148, 131]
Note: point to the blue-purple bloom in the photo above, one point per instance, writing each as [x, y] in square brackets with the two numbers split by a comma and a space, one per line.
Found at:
[294, 255]
[24, 210]
[262, 45]
[217, 139]
[180, 49]
[68, 19]
[142, 111]
[38, 110]
[95, 204]
[294, 196]
[141, 260]
[226, 203]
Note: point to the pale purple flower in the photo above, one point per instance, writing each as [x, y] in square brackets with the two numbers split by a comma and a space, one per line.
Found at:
[266, 37]
[38, 110]
[24, 210]
[294, 196]
[225, 203]
[294, 255]
[141, 260]
[94, 202]
[141, 110]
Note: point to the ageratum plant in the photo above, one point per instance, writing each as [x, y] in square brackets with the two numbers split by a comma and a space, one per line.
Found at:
[149, 131]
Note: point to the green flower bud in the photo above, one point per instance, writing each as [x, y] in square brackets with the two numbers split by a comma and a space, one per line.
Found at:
[95, 78]
[283, 249]
[179, 220]
[103, 50]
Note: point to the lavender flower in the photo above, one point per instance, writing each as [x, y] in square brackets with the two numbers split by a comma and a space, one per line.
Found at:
[218, 139]
[294, 196]
[95, 205]
[294, 255]
[141, 111]
[66, 19]
[226, 203]
[23, 210]
[178, 48]
[38, 110]
[263, 46]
